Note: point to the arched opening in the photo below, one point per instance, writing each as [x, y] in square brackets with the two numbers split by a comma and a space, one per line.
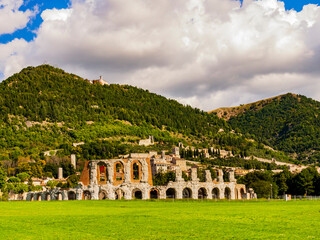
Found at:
[39, 197]
[31, 197]
[136, 171]
[137, 194]
[186, 193]
[71, 195]
[215, 193]
[171, 193]
[119, 194]
[227, 193]
[102, 173]
[154, 194]
[47, 197]
[243, 194]
[103, 195]
[119, 172]
[86, 195]
[202, 193]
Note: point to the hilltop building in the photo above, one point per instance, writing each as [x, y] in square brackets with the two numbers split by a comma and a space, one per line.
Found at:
[100, 81]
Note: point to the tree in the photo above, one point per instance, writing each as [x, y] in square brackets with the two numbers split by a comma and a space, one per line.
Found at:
[262, 188]
[73, 180]
[305, 181]
[3, 177]
[23, 176]
[51, 184]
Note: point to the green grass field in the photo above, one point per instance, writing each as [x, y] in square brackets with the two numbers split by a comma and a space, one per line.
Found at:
[160, 220]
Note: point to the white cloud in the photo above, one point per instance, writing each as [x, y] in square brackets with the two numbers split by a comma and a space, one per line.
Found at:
[207, 53]
[11, 18]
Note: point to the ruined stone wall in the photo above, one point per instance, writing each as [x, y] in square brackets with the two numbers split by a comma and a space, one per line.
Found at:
[119, 184]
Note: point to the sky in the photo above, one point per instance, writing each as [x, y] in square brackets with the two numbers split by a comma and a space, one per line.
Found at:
[204, 53]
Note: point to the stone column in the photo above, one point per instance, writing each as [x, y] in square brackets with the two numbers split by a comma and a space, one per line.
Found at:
[110, 170]
[231, 176]
[60, 173]
[233, 193]
[179, 193]
[127, 172]
[179, 175]
[208, 176]
[145, 194]
[195, 192]
[162, 193]
[73, 161]
[194, 175]
[209, 193]
[220, 176]
[93, 173]
[144, 172]
[221, 192]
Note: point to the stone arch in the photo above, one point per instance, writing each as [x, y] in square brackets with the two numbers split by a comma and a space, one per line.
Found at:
[31, 197]
[187, 193]
[154, 193]
[171, 193]
[71, 195]
[215, 193]
[103, 195]
[227, 193]
[136, 171]
[119, 194]
[137, 193]
[202, 193]
[118, 172]
[86, 195]
[243, 195]
[102, 172]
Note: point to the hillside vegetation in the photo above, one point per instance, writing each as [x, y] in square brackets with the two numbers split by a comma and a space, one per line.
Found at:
[44, 109]
[289, 123]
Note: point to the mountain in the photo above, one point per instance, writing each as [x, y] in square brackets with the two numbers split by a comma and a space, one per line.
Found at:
[289, 123]
[46, 114]
[44, 108]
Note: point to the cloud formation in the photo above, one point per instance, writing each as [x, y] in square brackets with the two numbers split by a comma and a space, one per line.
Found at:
[11, 18]
[206, 53]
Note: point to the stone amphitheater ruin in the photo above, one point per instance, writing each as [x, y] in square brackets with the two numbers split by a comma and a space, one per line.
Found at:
[131, 178]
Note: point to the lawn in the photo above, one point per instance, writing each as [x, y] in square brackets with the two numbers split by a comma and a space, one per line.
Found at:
[160, 220]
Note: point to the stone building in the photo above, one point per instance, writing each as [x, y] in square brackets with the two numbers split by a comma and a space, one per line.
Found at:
[131, 178]
[146, 142]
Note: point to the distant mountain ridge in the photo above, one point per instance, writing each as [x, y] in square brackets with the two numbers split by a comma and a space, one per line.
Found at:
[227, 112]
[289, 123]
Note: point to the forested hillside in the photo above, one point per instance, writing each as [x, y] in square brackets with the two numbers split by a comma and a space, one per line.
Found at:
[44, 108]
[290, 123]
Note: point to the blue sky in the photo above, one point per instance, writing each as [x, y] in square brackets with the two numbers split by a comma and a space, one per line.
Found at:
[206, 54]
[28, 33]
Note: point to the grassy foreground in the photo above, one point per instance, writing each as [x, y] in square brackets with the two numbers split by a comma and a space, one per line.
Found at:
[160, 220]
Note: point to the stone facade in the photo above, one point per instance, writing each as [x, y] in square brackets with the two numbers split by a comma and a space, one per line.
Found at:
[131, 178]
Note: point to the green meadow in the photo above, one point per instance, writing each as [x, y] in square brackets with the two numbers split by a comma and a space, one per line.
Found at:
[160, 220]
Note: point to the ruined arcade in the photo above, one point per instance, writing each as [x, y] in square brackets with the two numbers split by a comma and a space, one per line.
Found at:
[130, 177]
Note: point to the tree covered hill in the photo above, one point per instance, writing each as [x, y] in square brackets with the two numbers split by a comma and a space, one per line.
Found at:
[46, 93]
[44, 108]
[290, 123]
